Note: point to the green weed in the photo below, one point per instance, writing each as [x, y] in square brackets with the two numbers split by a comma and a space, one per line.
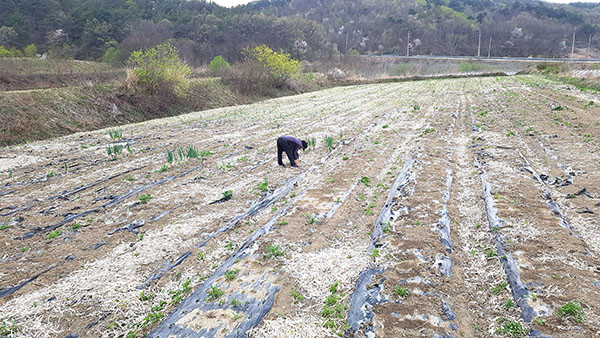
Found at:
[400, 291]
[298, 297]
[214, 293]
[264, 186]
[231, 274]
[144, 198]
[366, 181]
[53, 234]
[273, 251]
[571, 310]
[146, 297]
[513, 329]
[152, 318]
[8, 329]
[489, 253]
[75, 226]
[427, 131]
[498, 289]
[225, 166]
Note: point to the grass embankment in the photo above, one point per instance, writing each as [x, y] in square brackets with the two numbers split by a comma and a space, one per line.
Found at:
[586, 85]
[560, 72]
[46, 113]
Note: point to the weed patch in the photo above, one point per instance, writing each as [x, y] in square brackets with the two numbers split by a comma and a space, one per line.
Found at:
[53, 234]
[512, 329]
[144, 198]
[214, 293]
[298, 297]
[177, 295]
[264, 186]
[231, 274]
[273, 251]
[572, 311]
[400, 291]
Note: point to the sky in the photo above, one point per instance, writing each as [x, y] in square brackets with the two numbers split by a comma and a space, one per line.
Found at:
[231, 3]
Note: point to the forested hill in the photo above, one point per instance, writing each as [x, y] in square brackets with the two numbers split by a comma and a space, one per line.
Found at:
[110, 29]
[446, 27]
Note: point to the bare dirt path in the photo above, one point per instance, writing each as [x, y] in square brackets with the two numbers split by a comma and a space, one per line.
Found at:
[462, 207]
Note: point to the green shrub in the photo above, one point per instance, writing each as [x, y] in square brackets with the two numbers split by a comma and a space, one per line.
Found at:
[279, 66]
[16, 52]
[157, 68]
[111, 56]
[5, 53]
[30, 51]
[547, 67]
[218, 65]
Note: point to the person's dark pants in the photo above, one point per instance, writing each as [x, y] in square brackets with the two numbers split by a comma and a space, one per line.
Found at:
[284, 145]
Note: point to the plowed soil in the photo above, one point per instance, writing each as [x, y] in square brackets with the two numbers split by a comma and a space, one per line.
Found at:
[462, 207]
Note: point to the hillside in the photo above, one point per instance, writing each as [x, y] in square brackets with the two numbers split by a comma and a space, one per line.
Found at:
[309, 29]
[446, 27]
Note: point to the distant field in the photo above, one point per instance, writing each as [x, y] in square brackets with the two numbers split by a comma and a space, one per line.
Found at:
[460, 207]
[27, 66]
[36, 73]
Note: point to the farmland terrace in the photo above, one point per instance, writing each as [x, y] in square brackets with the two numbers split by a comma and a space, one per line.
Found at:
[460, 207]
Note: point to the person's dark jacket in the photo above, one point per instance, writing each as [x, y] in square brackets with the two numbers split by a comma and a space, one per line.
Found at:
[290, 145]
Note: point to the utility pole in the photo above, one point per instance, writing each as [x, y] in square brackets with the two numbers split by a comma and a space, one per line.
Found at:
[589, 45]
[490, 48]
[408, 45]
[573, 45]
[346, 47]
[479, 45]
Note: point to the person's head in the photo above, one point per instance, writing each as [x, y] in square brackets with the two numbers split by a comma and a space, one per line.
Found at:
[304, 145]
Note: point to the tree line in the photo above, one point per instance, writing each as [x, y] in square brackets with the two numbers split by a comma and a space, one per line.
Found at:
[110, 30]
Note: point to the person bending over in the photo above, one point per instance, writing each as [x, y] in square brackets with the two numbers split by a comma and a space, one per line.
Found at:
[290, 145]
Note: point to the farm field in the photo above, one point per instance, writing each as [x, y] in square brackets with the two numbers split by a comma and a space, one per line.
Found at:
[459, 207]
